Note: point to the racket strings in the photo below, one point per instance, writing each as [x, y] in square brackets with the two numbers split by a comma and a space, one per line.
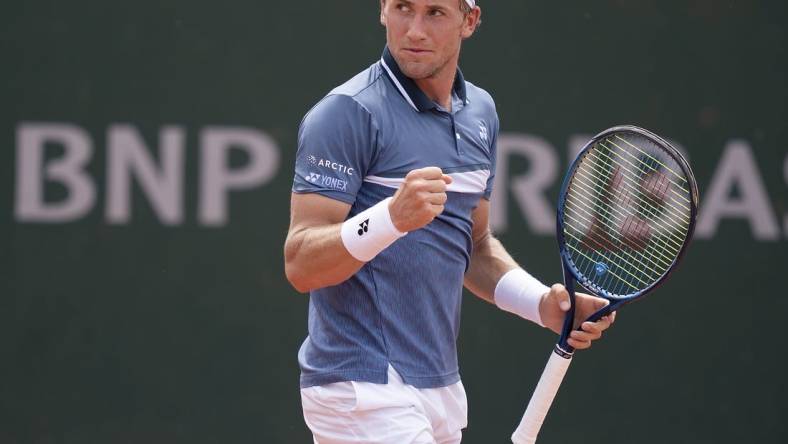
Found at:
[677, 175]
[622, 264]
[619, 217]
[646, 283]
[610, 272]
[655, 267]
[625, 222]
[655, 206]
[680, 213]
[640, 166]
[627, 266]
[585, 208]
[622, 217]
[649, 256]
[679, 217]
[613, 224]
[677, 240]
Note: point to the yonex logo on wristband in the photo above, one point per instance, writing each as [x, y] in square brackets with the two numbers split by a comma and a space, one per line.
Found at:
[361, 242]
[363, 227]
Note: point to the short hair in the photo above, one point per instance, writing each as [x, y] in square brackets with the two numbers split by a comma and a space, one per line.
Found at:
[464, 6]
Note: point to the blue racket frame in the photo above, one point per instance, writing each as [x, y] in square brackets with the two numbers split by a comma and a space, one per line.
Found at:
[572, 274]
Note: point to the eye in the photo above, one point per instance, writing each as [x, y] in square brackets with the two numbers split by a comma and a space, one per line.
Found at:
[436, 12]
[403, 7]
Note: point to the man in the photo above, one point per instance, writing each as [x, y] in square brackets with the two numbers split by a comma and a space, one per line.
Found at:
[389, 218]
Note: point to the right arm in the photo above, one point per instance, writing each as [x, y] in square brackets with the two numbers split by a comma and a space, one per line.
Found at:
[316, 255]
[322, 247]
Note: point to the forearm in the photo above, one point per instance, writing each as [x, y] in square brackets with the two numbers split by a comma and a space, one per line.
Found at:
[316, 257]
[489, 262]
[495, 277]
[320, 252]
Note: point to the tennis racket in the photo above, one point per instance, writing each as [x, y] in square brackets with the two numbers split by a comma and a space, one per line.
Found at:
[626, 213]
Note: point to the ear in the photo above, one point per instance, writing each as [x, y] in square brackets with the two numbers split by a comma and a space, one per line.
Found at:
[471, 22]
[382, 15]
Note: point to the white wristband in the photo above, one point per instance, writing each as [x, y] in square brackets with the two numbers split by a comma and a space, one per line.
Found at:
[370, 232]
[520, 293]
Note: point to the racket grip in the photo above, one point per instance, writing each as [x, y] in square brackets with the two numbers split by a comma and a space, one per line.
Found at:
[542, 398]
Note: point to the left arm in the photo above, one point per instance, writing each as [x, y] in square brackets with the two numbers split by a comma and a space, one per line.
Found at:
[490, 262]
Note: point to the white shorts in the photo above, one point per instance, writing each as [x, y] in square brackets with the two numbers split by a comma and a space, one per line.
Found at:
[393, 413]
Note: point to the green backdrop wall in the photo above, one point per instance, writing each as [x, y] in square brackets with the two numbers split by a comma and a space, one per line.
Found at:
[154, 309]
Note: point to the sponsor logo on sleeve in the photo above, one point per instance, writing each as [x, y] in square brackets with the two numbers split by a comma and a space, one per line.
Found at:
[327, 181]
[333, 182]
[331, 165]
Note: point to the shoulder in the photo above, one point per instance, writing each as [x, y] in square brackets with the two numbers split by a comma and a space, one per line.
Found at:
[482, 100]
[359, 86]
[347, 102]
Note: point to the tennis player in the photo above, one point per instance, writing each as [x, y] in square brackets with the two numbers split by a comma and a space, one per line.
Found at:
[389, 218]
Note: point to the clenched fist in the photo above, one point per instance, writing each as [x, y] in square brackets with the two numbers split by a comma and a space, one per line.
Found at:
[420, 199]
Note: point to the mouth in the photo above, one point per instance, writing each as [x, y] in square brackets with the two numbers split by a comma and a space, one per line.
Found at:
[417, 51]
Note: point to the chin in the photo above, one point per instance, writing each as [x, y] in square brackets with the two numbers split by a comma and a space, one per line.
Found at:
[416, 71]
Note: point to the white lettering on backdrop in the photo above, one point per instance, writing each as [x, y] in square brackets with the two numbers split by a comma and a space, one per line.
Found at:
[736, 190]
[129, 161]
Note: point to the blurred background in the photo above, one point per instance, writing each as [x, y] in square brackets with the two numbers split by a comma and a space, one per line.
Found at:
[147, 157]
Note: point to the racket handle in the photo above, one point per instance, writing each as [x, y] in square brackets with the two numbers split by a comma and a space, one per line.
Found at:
[542, 398]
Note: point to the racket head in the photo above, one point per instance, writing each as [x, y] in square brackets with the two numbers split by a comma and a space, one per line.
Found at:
[626, 213]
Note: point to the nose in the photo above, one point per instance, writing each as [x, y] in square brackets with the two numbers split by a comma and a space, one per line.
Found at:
[416, 29]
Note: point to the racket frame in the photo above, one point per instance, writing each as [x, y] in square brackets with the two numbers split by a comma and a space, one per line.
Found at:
[572, 275]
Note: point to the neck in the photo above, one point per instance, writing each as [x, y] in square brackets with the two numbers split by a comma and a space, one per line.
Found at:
[438, 87]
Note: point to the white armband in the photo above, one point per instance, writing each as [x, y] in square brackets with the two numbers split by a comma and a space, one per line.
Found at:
[370, 232]
[520, 293]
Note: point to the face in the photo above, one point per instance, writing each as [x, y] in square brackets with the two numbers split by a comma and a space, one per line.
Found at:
[424, 36]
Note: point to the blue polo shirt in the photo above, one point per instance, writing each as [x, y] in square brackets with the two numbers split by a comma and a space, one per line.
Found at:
[403, 307]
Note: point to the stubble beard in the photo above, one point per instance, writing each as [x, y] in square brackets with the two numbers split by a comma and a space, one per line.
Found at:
[420, 71]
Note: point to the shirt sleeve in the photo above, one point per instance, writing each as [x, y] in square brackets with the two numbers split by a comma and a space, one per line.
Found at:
[493, 158]
[336, 145]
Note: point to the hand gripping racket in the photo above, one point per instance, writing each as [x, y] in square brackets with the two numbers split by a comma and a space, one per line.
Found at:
[626, 213]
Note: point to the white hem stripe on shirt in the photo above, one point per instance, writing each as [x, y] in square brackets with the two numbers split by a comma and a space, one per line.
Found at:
[465, 182]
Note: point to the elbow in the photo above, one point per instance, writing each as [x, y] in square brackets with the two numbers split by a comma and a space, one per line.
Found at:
[294, 273]
[301, 271]
[296, 279]
[304, 282]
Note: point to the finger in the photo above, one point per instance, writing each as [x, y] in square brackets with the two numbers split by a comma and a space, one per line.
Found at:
[437, 209]
[437, 198]
[580, 335]
[589, 302]
[578, 345]
[592, 327]
[561, 296]
[603, 323]
[599, 302]
[446, 178]
[613, 317]
[425, 173]
[433, 186]
[598, 326]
